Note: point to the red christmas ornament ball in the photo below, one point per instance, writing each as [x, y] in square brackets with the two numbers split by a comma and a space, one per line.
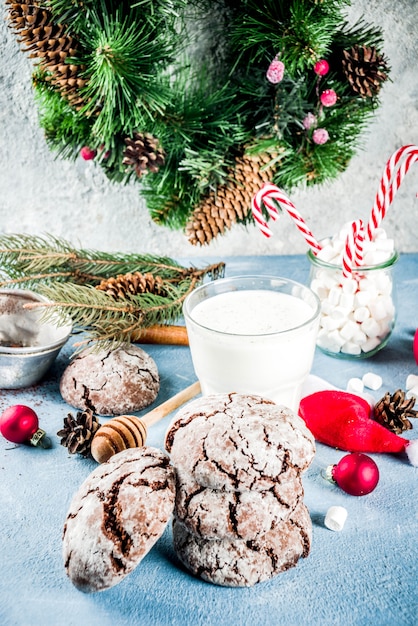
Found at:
[18, 423]
[321, 67]
[328, 98]
[356, 473]
[87, 153]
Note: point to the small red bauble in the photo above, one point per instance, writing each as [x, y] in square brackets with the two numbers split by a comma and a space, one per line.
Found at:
[87, 153]
[356, 473]
[328, 98]
[20, 424]
[321, 67]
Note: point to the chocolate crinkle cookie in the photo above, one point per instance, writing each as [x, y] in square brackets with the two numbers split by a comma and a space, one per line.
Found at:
[222, 514]
[112, 382]
[116, 516]
[239, 515]
[243, 563]
[239, 443]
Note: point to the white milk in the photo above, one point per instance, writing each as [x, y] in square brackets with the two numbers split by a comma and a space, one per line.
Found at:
[253, 341]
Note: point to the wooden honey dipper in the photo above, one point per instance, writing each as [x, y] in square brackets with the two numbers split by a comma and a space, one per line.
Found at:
[129, 431]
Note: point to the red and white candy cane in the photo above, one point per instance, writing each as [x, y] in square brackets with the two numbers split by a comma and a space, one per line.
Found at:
[353, 249]
[268, 195]
[389, 184]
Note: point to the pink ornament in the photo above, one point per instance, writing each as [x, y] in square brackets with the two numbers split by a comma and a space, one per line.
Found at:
[20, 424]
[357, 474]
[321, 67]
[309, 121]
[275, 71]
[87, 153]
[320, 136]
[328, 98]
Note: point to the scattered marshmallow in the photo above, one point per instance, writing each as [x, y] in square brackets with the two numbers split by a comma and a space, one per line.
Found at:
[335, 518]
[372, 381]
[412, 393]
[355, 385]
[411, 381]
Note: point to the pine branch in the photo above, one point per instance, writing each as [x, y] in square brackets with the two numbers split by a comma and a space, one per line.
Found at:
[68, 278]
[33, 259]
[106, 322]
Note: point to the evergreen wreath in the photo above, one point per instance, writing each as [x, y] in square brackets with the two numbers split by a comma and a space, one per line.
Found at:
[203, 101]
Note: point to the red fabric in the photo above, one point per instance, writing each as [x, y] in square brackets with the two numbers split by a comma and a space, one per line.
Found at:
[342, 420]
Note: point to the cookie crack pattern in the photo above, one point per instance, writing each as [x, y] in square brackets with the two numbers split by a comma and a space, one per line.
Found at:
[189, 497]
[155, 485]
[305, 539]
[233, 517]
[182, 424]
[232, 476]
[147, 372]
[112, 525]
[106, 356]
[86, 397]
[151, 462]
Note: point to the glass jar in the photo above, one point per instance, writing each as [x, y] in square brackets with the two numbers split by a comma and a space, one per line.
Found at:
[358, 313]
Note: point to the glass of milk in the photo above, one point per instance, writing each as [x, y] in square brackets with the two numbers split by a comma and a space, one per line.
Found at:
[253, 335]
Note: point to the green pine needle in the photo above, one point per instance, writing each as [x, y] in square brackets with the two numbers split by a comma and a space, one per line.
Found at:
[68, 277]
[147, 70]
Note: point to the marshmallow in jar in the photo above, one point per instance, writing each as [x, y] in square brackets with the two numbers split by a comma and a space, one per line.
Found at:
[357, 312]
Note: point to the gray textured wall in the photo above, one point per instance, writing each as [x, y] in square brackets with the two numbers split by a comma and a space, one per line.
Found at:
[41, 194]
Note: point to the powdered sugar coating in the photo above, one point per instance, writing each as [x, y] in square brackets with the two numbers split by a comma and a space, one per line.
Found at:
[116, 516]
[238, 442]
[218, 514]
[239, 563]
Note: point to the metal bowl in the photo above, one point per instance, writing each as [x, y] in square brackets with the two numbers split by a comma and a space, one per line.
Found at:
[28, 346]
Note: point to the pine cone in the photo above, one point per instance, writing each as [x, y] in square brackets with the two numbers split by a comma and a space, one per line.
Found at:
[143, 153]
[393, 411]
[365, 70]
[232, 201]
[132, 284]
[50, 45]
[78, 433]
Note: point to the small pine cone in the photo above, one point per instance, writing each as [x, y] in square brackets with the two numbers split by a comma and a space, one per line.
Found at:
[78, 432]
[231, 202]
[134, 283]
[393, 411]
[365, 70]
[143, 153]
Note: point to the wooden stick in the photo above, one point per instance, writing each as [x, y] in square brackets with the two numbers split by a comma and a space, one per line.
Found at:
[171, 404]
[169, 335]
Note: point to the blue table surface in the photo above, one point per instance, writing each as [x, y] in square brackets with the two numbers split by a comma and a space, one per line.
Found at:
[366, 574]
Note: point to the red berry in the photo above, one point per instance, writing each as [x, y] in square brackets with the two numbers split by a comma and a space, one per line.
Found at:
[87, 153]
[328, 97]
[321, 67]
